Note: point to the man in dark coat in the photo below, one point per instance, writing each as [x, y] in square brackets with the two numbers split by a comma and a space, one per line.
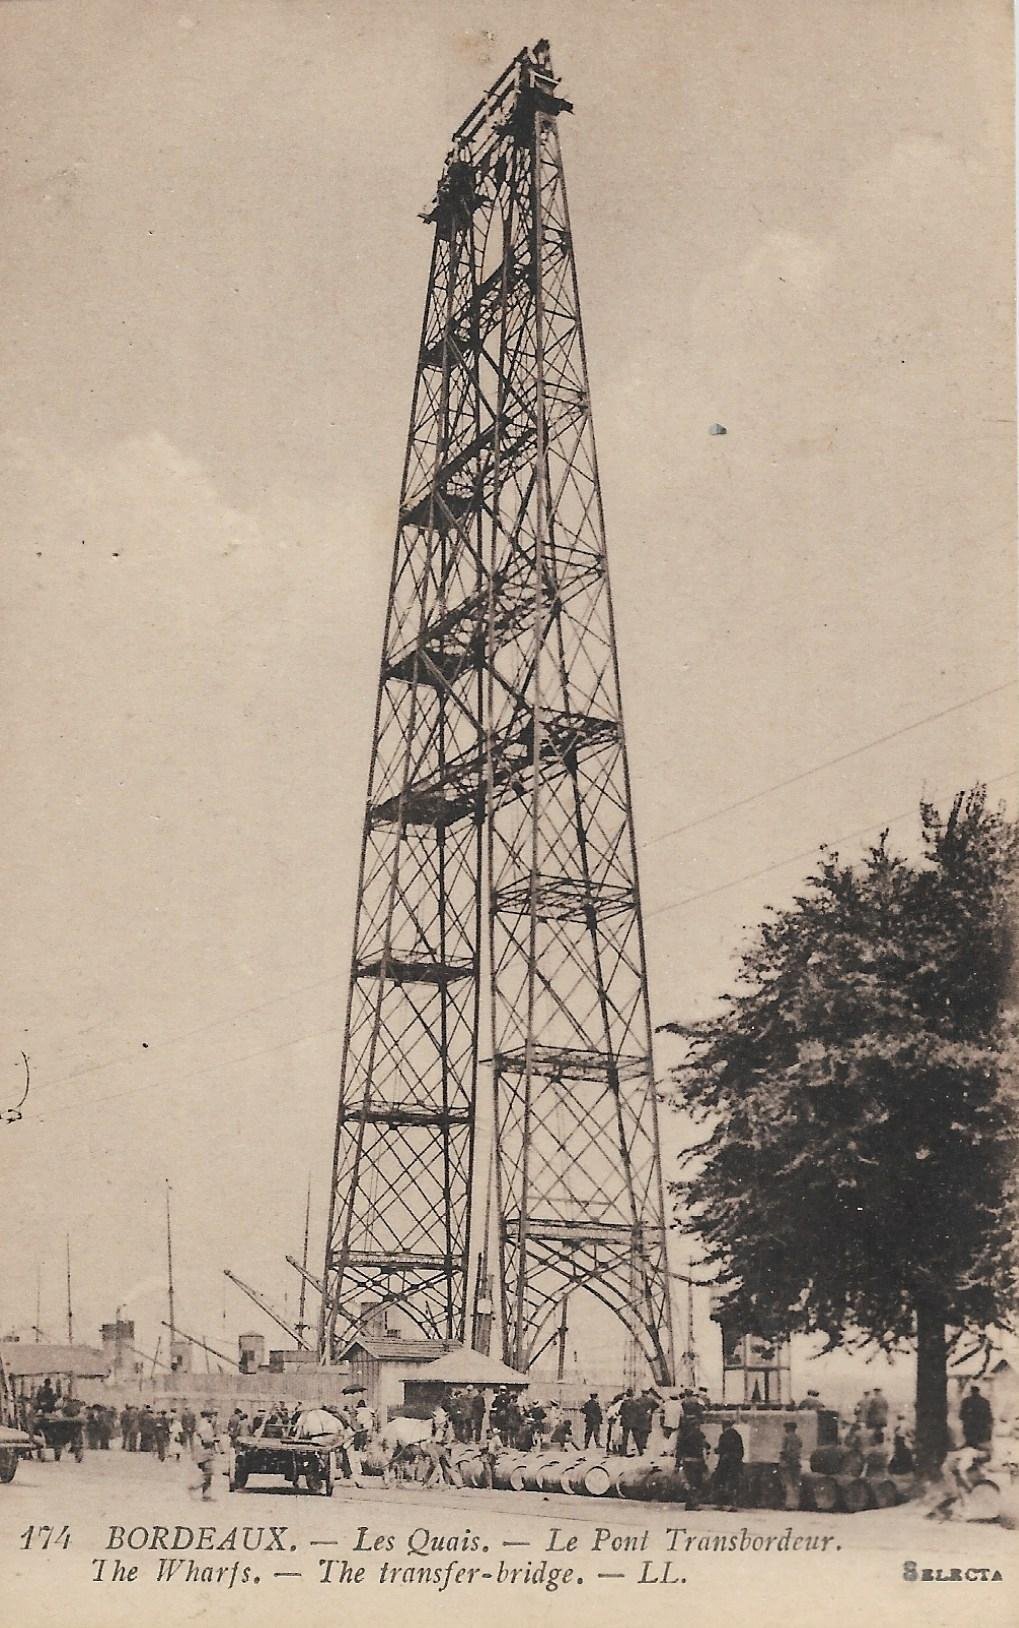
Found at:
[499, 1414]
[45, 1397]
[478, 1411]
[592, 1420]
[146, 1429]
[790, 1465]
[729, 1469]
[629, 1416]
[876, 1417]
[644, 1406]
[691, 1461]
[976, 1419]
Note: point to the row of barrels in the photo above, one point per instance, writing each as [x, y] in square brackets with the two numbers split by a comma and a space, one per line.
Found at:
[832, 1483]
[659, 1482]
[588, 1476]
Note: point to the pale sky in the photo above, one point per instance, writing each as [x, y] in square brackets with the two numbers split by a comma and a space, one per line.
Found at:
[791, 219]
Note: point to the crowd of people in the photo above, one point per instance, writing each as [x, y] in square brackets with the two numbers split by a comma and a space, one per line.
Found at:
[504, 1418]
[625, 1421]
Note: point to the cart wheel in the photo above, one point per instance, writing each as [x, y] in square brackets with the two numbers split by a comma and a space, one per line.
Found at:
[238, 1477]
[8, 1464]
[314, 1477]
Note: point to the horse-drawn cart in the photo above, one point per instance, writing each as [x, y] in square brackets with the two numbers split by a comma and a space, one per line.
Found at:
[60, 1431]
[288, 1458]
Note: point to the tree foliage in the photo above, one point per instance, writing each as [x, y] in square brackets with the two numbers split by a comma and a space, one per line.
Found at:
[857, 1092]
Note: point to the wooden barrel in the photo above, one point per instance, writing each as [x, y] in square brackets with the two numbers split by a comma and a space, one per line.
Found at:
[836, 1461]
[472, 1469]
[632, 1478]
[506, 1462]
[884, 1491]
[594, 1478]
[876, 1461]
[820, 1492]
[571, 1469]
[854, 1493]
[550, 1474]
[535, 1467]
[664, 1485]
[905, 1486]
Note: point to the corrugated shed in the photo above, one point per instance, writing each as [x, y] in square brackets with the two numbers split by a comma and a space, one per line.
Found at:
[394, 1348]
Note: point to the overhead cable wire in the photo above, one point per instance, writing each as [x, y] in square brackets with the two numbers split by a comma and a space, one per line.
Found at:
[166, 1085]
[828, 763]
[807, 853]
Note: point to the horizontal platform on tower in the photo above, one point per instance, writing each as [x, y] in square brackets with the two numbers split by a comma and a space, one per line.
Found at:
[411, 971]
[572, 1063]
[383, 1261]
[565, 898]
[405, 1113]
[549, 1230]
[458, 793]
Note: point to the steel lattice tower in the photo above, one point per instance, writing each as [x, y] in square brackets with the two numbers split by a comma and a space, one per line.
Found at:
[498, 880]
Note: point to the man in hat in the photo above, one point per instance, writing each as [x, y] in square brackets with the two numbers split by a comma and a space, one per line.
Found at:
[479, 1412]
[644, 1413]
[188, 1424]
[691, 1459]
[146, 1429]
[729, 1469]
[876, 1417]
[592, 1420]
[629, 1416]
[976, 1418]
[672, 1414]
[205, 1449]
[45, 1398]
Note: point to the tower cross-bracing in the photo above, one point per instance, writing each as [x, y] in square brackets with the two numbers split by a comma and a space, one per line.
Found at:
[498, 956]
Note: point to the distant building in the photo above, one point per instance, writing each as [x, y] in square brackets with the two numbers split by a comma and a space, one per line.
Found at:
[380, 1363]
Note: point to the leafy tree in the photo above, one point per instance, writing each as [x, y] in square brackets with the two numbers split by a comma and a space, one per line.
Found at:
[858, 1097]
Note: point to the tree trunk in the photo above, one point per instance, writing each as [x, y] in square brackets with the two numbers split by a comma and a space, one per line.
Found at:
[931, 1442]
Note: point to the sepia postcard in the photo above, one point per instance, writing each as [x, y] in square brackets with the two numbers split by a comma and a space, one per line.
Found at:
[509, 1100]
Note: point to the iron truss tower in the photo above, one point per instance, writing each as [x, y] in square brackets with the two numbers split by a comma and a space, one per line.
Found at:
[498, 929]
